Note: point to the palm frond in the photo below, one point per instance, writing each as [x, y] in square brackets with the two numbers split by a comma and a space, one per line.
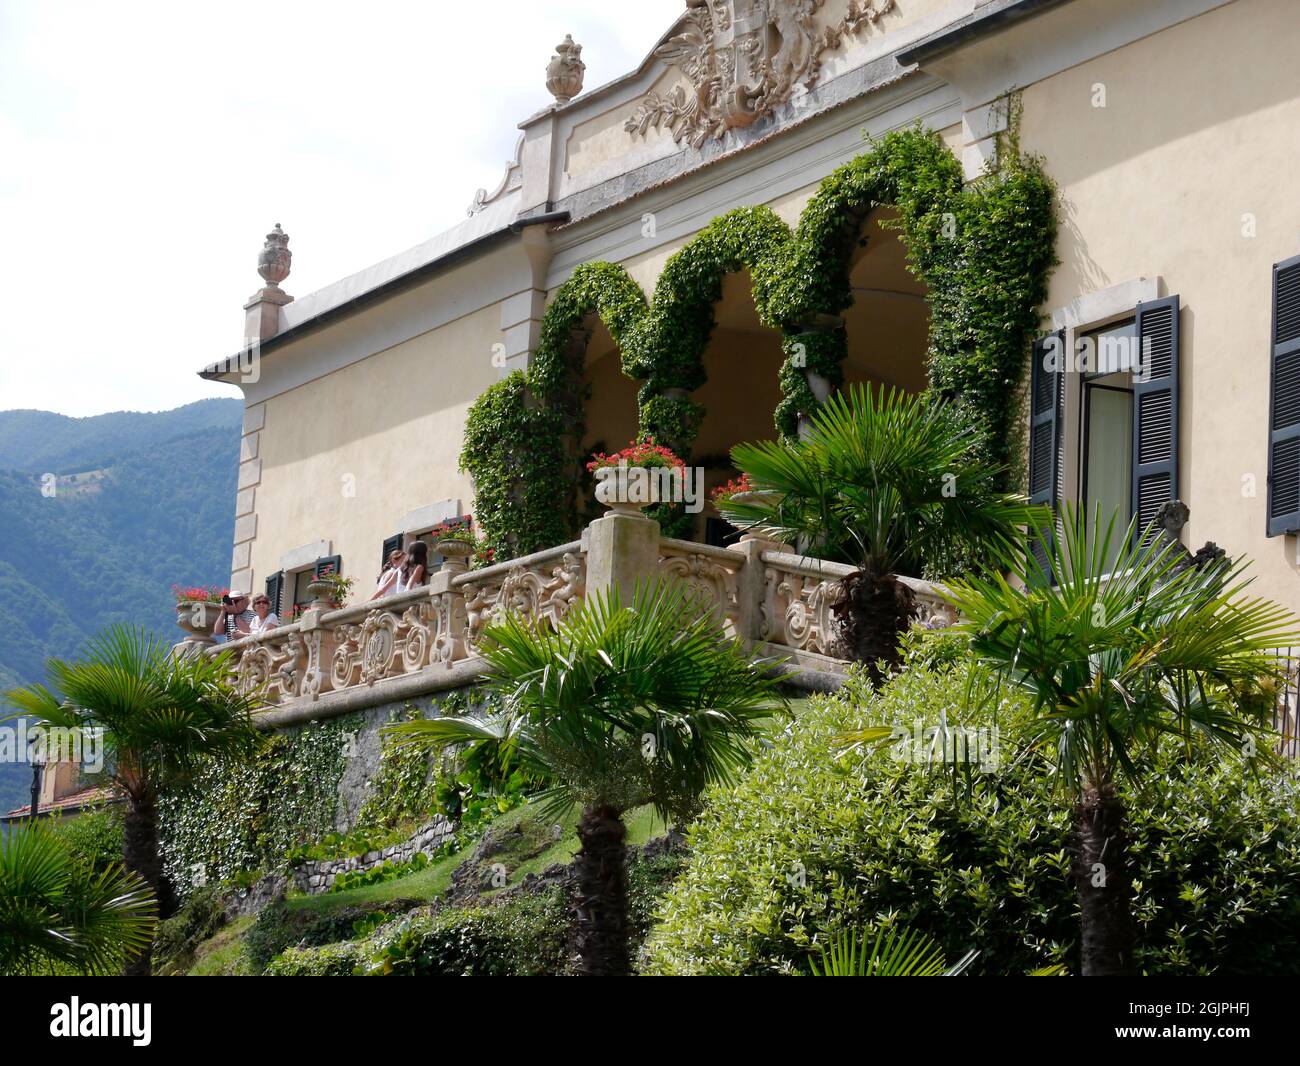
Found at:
[58, 915]
[897, 951]
[621, 705]
[1119, 645]
[884, 480]
[160, 713]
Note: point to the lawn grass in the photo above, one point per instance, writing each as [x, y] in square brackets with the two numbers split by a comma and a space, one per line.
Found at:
[222, 955]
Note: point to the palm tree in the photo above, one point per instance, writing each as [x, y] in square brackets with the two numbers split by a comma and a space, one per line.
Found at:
[886, 482]
[616, 708]
[1121, 646]
[58, 916]
[161, 714]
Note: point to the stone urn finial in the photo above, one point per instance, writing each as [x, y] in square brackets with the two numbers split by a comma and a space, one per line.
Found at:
[274, 259]
[564, 71]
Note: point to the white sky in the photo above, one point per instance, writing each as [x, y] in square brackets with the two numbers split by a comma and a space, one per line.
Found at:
[147, 148]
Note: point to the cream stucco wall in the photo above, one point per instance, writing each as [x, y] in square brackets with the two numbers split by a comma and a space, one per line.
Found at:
[346, 456]
[1199, 132]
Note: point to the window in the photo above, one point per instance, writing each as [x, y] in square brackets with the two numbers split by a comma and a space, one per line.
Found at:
[1106, 421]
[1103, 428]
[405, 540]
[275, 591]
[1284, 402]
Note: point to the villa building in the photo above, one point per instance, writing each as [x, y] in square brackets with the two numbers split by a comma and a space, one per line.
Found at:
[1170, 130]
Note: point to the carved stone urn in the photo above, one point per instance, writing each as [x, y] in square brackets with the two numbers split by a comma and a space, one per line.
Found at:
[197, 618]
[322, 594]
[759, 497]
[564, 71]
[628, 489]
[275, 258]
[455, 552]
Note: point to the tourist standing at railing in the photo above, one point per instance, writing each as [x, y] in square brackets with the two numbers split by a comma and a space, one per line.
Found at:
[415, 568]
[263, 617]
[234, 620]
[387, 583]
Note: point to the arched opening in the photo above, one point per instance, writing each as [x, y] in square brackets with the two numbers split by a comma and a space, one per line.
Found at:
[887, 332]
[611, 405]
[888, 323]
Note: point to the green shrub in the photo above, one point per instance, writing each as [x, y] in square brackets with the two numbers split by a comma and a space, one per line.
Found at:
[179, 936]
[279, 927]
[648, 881]
[813, 842]
[332, 960]
[94, 837]
[523, 936]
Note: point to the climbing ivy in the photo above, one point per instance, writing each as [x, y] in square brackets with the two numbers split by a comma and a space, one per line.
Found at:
[243, 816]
[983, 250]
[405, 790]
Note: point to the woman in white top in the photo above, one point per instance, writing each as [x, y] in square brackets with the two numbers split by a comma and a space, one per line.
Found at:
[414, 569]
[387, 584]
[263, 617]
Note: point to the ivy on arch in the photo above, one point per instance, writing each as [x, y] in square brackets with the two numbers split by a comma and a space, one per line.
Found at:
[983, 250]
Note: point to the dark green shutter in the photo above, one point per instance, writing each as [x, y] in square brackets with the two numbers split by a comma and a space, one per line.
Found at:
[328, 564]
[275, 590]
[1155, 410]
[1284, 402]
[1046, 402]
[392, 544]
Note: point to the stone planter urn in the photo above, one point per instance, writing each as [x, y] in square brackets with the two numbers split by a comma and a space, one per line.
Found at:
[197, 618]
[757, 496]
[322, 595]
[765, 497]
[628, 489]
[455, 552]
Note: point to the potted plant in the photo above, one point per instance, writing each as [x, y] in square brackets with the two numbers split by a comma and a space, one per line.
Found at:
[630, 479]
[196, 609]
[330, 591]
[741, 490]
[455, 540]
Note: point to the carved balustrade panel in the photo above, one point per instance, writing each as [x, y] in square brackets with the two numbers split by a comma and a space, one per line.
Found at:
[711, 573]
[540, 587]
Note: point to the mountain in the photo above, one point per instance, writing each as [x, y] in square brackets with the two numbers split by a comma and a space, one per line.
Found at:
[137, 502]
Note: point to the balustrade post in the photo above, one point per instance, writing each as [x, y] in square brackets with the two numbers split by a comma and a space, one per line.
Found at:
[751, 585]
[622, 551]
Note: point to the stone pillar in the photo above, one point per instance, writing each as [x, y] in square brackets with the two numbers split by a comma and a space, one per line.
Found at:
[622, 551]
[751, 585]
[250, 476]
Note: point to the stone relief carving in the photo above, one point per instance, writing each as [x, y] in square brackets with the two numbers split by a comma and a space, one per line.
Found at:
[797, 612]
[744, 58]
[534, 593]
[714, 582]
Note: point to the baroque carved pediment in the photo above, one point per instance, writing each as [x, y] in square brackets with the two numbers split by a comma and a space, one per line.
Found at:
[743, 59]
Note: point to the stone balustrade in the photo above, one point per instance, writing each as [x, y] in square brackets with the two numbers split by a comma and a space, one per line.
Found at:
[427, 639]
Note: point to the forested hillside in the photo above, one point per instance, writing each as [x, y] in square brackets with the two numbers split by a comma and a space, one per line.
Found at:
[141, 502]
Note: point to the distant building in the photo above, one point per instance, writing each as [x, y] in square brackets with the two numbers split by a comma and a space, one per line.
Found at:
[66, 794]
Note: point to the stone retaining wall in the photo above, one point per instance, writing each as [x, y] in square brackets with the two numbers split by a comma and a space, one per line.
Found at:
[318, 876]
